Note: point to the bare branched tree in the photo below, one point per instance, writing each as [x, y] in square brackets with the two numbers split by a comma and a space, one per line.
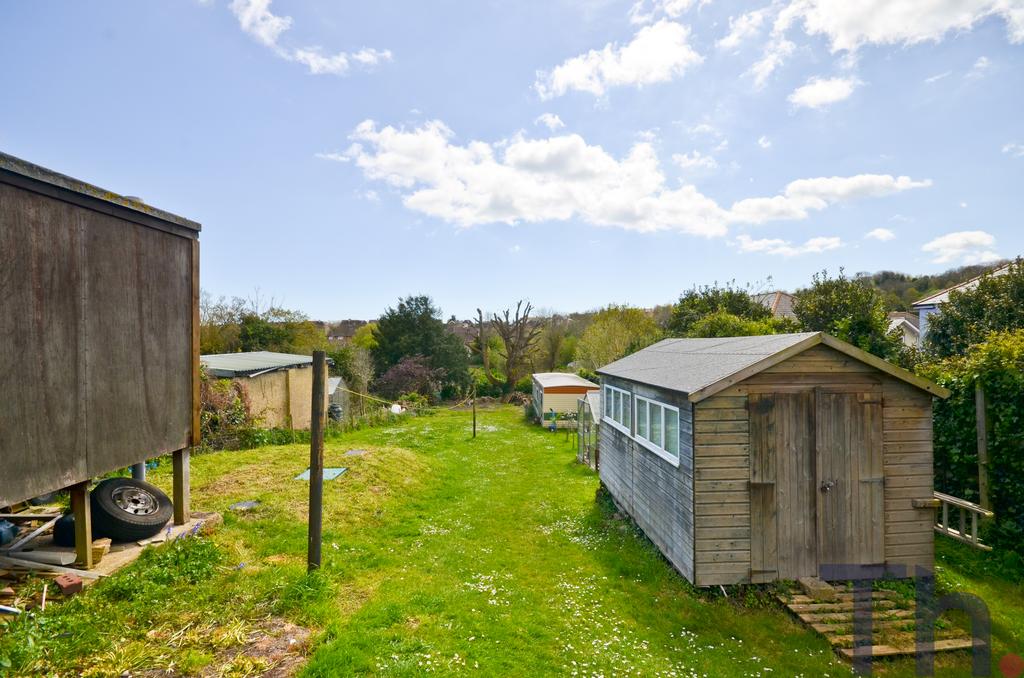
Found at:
[519, 334]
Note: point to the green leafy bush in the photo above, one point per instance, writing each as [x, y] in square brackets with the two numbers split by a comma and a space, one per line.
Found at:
[525, 385]
[998, 365]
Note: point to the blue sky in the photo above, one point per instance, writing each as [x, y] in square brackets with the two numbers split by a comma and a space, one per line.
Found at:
[341, 155]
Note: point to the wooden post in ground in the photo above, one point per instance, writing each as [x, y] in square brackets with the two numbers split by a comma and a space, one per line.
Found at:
[982, 425]
[474, 410]
[182, 492]
[83, 524]
[316, 461]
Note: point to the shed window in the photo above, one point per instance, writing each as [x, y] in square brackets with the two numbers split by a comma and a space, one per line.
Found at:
[618, 408]
[657, 428]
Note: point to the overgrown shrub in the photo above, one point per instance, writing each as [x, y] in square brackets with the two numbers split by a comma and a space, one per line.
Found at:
[410, 375]
[525, 385]
[998, 366]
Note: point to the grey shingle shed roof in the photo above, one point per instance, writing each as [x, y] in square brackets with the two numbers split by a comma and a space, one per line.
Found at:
[252, 363]
[702, 367]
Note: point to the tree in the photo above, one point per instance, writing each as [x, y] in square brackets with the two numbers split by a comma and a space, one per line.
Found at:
[995, 304]
[518, 334]
[615, 332]
[724, 324]
[411, 374]
[851, 310]
[415, 328]
[363, 337]
[702, 301]
[250, 325]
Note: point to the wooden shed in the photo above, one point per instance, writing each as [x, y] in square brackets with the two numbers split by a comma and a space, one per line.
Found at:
[558, 392]
[753, 459]
[99, 335]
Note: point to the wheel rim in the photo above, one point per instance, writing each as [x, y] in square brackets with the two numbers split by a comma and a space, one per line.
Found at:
[135, 500]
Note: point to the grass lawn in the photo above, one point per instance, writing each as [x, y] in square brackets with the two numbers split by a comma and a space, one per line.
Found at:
[442, 554]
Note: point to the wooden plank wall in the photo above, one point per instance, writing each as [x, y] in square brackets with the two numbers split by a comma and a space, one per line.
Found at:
[95, 343]
[909, 474]
[722, 490]
[657, 495]
[42, 345]
[722, 462]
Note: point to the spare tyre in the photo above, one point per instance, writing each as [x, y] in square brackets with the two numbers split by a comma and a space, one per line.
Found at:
[126, 509]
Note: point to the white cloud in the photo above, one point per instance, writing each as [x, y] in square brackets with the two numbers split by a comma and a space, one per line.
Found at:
[820, 93]
[1016, 150]
[936, 78]
[704, 128]
[805, 195]
[550, 120]
[764, 142]
[337, 157]
[848, 25]
[980, 67]
[563, 177]
[695, 161]
[256, 19]
[372, 196]
[965, 247]
[643, 12]
[785, 248]
[882, 234]
[657, 53]
[742, 28]
[777, 51]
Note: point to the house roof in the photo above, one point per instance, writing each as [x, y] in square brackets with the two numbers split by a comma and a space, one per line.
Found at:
[779, 303]
[54, 180]
[551, 379]
[251, 364]
[942, 296]
[702, 367]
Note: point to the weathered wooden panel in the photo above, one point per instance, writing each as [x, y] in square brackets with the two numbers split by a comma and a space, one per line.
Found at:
[139, 326]
[657, 494]
[42, 345]
[849, 463]
[96, 324]
[722, 500]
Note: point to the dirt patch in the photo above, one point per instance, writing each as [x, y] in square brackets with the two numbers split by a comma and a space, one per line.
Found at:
[275, 648]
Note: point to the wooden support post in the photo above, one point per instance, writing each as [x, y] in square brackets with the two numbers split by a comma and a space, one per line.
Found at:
[83, 524]
[982, 419]
[316, 461]
[182, 499]
[474, 410]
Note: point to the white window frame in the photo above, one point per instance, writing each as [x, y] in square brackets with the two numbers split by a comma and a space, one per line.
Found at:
[626, 397]
[657, 449]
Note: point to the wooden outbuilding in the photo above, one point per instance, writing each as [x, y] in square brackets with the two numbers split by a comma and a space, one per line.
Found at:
[754, 459]
[99, 337]
[278, 386]
[558, 393]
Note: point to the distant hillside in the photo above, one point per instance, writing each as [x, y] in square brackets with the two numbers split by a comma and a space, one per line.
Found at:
[902, 290]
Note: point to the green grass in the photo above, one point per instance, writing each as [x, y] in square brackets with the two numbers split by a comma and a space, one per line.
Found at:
[443, 554]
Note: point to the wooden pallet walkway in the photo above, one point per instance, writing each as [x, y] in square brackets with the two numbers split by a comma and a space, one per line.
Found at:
[893, 624]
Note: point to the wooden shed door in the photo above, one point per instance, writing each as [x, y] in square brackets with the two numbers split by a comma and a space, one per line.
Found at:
[850, 493]
[783, 531]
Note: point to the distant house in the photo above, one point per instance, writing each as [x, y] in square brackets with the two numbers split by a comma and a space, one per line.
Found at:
[779, 303]
[931, 304]
[279, 385]
[558, 392]
[906, 324]
[754, 459]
